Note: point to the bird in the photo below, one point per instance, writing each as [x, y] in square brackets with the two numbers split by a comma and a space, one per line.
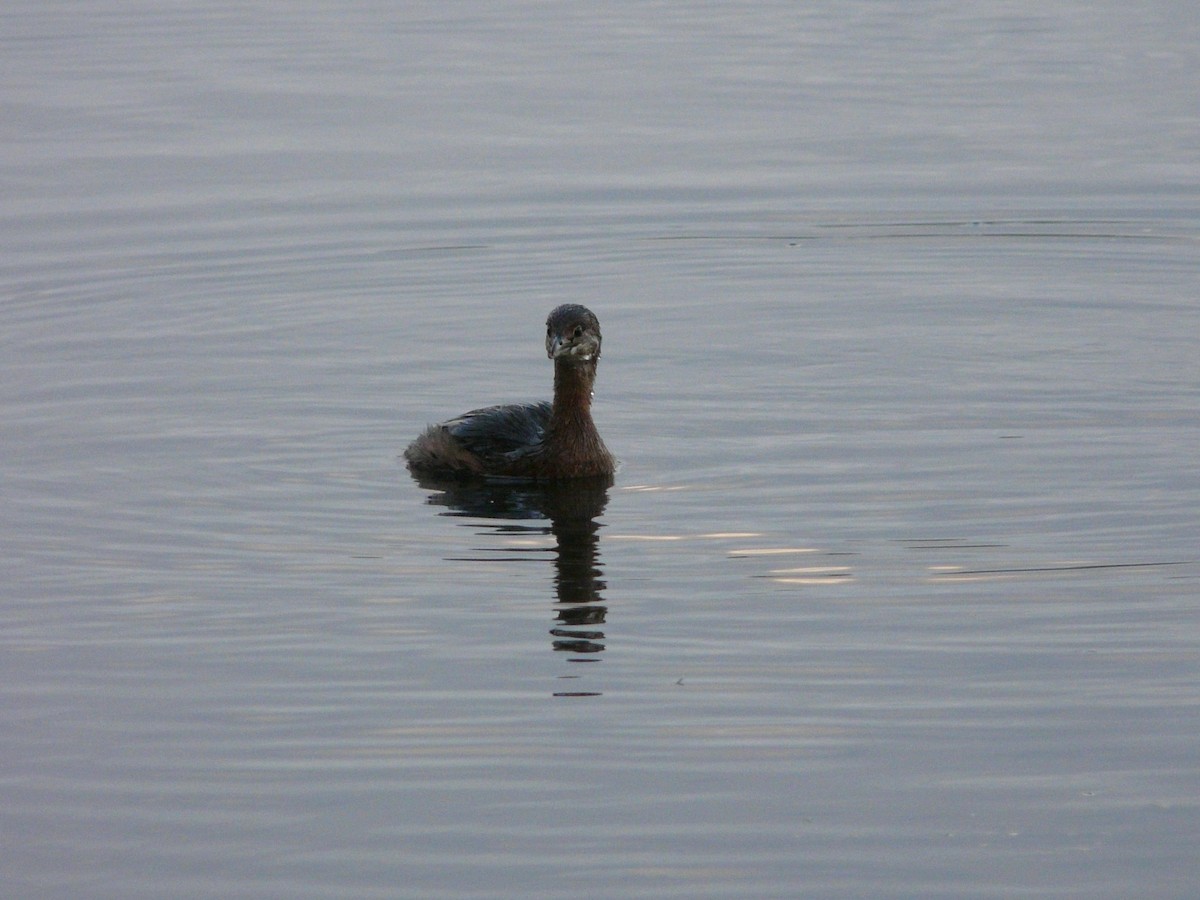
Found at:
[543, 441]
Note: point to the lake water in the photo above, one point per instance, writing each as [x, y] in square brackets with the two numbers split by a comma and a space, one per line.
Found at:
[896, 592]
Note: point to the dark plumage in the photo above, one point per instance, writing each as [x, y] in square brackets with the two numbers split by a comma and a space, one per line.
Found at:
[538, 441]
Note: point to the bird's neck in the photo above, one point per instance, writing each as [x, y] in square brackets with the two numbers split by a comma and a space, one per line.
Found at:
[572, 394]
[572, 446]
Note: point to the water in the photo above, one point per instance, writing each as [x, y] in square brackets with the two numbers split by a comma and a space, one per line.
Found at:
[894, 595]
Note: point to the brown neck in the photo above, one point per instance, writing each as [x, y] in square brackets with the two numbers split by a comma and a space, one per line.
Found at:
[572, 446]
[572, 396]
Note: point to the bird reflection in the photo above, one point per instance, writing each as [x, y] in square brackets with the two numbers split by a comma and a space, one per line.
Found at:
[572, 507]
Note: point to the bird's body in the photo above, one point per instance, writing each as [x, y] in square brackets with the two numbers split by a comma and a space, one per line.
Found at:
[539, 441]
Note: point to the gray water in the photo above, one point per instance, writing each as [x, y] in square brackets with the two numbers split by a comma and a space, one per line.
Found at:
[895, 593]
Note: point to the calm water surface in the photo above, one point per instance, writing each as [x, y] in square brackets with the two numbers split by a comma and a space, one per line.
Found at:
[896, 592]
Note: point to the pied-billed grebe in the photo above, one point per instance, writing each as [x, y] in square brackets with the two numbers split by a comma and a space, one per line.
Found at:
[538, 441]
